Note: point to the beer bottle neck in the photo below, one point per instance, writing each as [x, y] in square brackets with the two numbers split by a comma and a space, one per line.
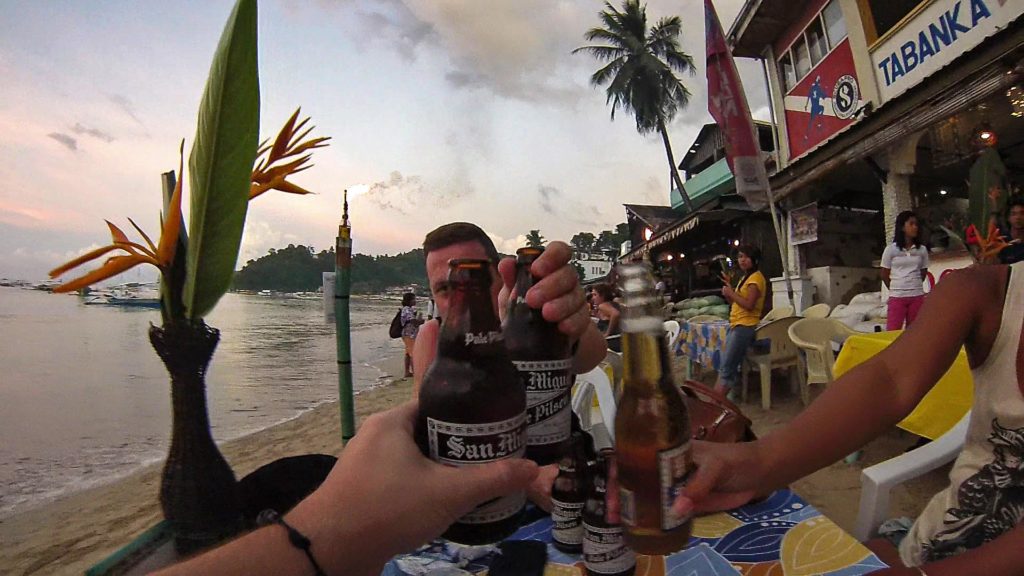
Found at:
[645, 360]
[471, 322]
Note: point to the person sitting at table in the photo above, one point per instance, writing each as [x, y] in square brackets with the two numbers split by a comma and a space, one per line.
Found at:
[904, 268]
[976, 524]
[747, 300]
[608, 313]
[382, 498]
[1014, 232]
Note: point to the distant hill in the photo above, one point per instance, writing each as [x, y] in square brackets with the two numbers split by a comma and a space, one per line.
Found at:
[300, 269]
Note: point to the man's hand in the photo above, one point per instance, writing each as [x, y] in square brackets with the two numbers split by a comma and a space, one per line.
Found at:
[726, 477]
[558, 293]
[539, 491]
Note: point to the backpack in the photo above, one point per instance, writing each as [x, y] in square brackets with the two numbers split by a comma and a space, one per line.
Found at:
[395, 331]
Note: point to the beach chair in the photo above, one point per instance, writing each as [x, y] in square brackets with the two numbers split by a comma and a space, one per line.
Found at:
[671, 332]
[599, 422]
[876, 482]
[777, 313]
[815, 337]
[782, 353]
[817, 311]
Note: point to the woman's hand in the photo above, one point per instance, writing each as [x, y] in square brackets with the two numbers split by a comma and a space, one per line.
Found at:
[727, 476]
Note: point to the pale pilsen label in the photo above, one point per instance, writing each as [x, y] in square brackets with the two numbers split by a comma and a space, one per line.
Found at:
[547, 384]
[458, 444]
[604, 551]
[568, 522]
[673, 467]
[627, 506]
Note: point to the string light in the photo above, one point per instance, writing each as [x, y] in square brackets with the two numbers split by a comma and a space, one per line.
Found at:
[1016, 96]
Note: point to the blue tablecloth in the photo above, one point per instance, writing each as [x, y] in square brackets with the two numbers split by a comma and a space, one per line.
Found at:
[782, 535]
[702, 342]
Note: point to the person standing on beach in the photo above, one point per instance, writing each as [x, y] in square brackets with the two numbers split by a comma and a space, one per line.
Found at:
[411, 321]
[904, 268]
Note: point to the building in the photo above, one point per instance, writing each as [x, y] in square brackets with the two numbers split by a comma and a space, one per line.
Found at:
[595, 266]
[690, 249]
[884, 106]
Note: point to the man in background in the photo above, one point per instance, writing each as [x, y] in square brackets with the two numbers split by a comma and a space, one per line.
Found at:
[1015, 234]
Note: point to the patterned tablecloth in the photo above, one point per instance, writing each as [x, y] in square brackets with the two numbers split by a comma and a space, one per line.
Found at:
[781, 536]
[702, 342]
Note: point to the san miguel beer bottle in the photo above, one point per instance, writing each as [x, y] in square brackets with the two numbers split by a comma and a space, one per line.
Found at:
[568, 495]
[604, 551]
[543, 356]
[472, 405]
[652, 427]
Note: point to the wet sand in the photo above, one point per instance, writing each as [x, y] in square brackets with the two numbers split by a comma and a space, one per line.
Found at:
[75, 532]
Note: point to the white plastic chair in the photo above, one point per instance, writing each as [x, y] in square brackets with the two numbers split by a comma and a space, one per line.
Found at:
[671, 332]
[587, 386]
[817, 311]
[876, 482]
[777, 313]
[815, 337]
[782, 353]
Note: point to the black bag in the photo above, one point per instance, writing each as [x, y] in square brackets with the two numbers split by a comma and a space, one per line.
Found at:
[395, 331]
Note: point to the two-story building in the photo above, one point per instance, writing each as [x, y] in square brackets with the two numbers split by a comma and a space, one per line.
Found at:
[883, 106]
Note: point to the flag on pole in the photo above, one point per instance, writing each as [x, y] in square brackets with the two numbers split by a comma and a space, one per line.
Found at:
[728, 106]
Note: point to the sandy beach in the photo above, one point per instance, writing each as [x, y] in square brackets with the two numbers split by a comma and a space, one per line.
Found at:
[73, 533]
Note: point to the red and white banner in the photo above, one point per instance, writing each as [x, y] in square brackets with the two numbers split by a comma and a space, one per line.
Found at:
[728, 106]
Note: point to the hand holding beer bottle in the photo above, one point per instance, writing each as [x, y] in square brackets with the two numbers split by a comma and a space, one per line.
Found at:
[652, 427]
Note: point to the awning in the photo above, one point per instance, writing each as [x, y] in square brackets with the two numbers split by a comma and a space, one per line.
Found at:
[681, 227]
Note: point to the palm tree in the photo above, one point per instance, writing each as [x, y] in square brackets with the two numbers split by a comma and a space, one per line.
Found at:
[640, 73]
[534, 239]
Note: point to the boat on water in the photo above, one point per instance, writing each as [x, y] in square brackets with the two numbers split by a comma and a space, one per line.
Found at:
[134, 297]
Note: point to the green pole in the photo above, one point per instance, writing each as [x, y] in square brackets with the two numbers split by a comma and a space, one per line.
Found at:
[342, 285]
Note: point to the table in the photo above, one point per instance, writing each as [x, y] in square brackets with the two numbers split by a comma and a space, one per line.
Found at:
[781, 535]
[702, 342]
[941, 408]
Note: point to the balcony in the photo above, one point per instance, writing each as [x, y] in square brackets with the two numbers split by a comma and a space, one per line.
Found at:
[711, 182]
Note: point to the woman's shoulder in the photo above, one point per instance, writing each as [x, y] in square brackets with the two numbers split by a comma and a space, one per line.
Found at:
[758, 277]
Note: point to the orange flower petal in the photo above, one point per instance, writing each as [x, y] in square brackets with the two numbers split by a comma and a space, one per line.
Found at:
[116, 233]
[113, 267]
[281, 143]
[82, 260]
[144, 235]
[172, 221]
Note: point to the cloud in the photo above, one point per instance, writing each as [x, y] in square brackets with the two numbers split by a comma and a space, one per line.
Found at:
[79, 128]
[553, 201]
[125, 105]
[508, 245]
[259, 237]
[548, 196]
[65, 140]
[409, 194]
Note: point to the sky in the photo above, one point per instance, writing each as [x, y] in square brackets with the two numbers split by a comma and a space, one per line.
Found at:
[439, 110]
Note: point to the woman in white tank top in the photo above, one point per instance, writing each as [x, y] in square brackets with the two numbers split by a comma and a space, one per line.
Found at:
[973, 527]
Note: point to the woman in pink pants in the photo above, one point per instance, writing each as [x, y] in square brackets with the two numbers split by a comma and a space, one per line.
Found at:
[904, 268]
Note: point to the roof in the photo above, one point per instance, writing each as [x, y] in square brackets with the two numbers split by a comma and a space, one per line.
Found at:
[760, 23]
[703, 215]
[707, 131]
[654, 217]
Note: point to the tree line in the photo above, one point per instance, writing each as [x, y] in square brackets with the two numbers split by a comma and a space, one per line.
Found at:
[300, 268]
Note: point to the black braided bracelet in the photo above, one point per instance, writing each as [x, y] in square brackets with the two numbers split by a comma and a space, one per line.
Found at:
[270, 516]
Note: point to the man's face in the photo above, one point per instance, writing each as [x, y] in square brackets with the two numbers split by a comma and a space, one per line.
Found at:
[437, 272]
[1017, 217]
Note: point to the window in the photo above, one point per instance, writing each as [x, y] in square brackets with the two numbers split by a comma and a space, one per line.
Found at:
[881, 16]
[801, 58]
[787, 73]
[835, 26]
[816, 42]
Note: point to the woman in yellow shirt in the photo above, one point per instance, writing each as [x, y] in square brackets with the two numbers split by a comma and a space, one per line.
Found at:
[747, 301]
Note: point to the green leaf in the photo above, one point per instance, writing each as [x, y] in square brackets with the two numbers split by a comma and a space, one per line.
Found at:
[987, 171]
[220, 166]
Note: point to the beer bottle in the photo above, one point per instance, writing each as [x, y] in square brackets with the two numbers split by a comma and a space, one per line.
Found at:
[568, 495]
[604, 551]
[652, 427]
[543, 356]
[472, 406]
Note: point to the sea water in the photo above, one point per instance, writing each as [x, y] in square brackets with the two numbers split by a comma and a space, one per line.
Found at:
[84, 399]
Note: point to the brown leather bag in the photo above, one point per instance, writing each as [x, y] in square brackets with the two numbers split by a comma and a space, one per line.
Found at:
[713, 417]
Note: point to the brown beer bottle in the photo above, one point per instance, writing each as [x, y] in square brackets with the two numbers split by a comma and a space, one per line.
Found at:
[568, 495]
[604, 551]
[472, 406]
[652, 427]
[543, 356]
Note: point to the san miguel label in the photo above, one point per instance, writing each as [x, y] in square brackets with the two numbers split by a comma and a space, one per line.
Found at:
[548, 383]
[604, 550]
[458, 444]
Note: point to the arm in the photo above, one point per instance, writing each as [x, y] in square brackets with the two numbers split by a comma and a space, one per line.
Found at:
[852, 411]
[886, 276]
[423, 350]
[613, 314]
[886, 273]
[734, 297]
[1000, 557]
[382, 498]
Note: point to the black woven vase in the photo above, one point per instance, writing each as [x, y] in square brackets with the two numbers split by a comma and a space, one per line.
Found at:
[198, 491]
